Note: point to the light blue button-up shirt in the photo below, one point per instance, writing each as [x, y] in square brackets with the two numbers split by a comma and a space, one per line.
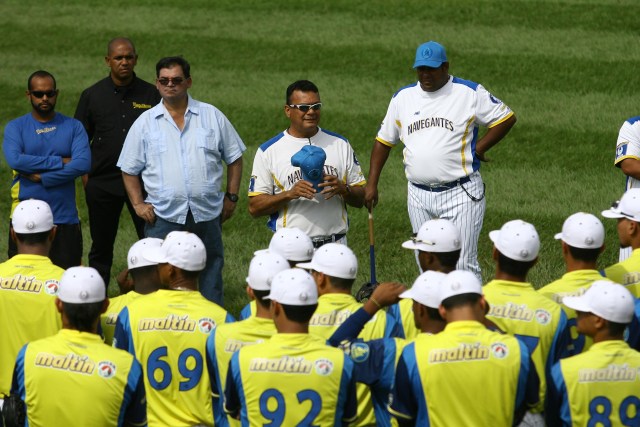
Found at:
[182, 170]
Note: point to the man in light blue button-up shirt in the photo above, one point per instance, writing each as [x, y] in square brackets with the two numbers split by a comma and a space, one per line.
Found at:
[177, 148]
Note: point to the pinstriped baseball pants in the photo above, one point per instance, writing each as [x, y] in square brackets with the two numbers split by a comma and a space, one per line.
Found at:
[456, 206]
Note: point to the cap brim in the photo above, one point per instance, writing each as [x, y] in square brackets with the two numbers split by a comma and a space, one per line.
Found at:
[610, 213]
[305, 265]
[155, 255]
[577, 303]
[558, 236]
[407, 294]
[409, 244]
[432, 64]
[261, 251]
[493, 235]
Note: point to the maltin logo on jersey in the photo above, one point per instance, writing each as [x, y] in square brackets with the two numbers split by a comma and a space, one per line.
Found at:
[51, 287]
[499, 350]
[206, 325]
[106, 369]
[543, 316]
[324, 367]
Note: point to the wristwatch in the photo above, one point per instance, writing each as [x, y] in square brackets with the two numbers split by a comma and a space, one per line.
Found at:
[233, 197]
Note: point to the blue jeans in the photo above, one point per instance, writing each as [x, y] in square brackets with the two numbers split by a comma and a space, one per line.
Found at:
[210, 232]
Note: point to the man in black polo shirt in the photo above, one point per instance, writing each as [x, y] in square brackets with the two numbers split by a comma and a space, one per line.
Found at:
[107, 110]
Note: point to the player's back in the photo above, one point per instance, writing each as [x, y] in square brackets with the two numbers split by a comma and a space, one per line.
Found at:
[227, 339]
[601, 387]
[626, 272]
[28, 289]
[167, 331]
[402, 313]
[292, 379]
[108, 318]
[465, 363]
[517, 309]
[73, 378]
[572, 284]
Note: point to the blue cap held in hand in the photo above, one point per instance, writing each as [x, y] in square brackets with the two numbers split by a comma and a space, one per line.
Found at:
[310, 159]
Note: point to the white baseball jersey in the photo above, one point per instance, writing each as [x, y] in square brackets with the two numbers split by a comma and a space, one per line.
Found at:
[273, 173]
[440, 129]
[628, 146]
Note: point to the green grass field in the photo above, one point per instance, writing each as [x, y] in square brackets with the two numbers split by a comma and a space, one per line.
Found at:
[568, 68]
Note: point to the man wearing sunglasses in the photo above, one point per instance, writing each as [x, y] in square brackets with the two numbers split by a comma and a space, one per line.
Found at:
[47, 152]
[178, 148]
[278, 189]
[107, 110]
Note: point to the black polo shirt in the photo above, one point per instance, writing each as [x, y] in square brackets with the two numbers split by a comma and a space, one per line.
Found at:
[107, 112]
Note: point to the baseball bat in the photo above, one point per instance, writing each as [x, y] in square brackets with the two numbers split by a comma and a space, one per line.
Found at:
[372, 252]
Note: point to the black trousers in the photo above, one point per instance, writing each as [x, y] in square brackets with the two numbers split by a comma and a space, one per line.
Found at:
[104, 208]
[66, 250]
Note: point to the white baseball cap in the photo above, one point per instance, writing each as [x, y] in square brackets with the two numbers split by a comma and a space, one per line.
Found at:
[628, 206]
[436, 235]
[293, 286]
[135, 259]
[181, 249]
[426, 289]
[262, 269]
[333, 259]
[582, 230]
[291, 243]
[609, 300]
[32, 216]
[517, 240]
[459, 282]
[81, 285]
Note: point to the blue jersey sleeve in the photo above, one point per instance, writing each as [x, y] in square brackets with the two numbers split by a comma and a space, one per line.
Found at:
[528, 391]
[122, 338]
[18, 385]
[633, 331]
[245, 313]
[350, 328]
[79, 164]
[404, 406]
[134, 403]
[17, 159]
[562, 345]
[348, 393]
[394, 312]
[556, 408]
[214, 379]
[391, 329]
[232, 388]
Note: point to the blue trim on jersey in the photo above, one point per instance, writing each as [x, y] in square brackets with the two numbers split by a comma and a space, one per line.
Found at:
[346, 383]
[229, 318]
[474, 141]
[559, 405]
[219, 416]
[337, 135]
[394, 312]
[633, 338]
[632, 120]
[132, 409]
[403, 88]
[602, 273]
[122, 337]
[18, 375]
[391, 328]
[525, 365]
[467, 83]
[272, 141]
[235, 375]
[273, 219]
[245, 313]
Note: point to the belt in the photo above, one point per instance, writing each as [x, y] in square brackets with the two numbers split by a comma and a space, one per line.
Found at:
[323, 240]
[443, 187]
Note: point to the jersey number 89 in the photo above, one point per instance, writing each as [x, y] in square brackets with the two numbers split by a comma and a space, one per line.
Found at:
[273, 408]
[189, 367]
[600, 412]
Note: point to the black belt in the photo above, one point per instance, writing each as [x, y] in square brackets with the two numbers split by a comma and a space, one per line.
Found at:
[319, 241]
[443, 187]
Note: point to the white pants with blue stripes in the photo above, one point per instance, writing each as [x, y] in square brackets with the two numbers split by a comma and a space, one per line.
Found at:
[456, 206]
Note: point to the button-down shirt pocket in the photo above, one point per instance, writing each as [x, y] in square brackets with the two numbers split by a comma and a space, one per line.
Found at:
[209, 147]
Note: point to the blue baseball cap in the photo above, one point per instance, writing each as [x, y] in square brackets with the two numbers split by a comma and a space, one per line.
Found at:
[430, 54]
[310, 159]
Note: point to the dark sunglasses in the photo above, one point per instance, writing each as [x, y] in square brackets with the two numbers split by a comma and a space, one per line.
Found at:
[164, 81]
[306, 107]
[41, 94]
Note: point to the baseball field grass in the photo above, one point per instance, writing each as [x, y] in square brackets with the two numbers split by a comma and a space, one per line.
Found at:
[568, 68]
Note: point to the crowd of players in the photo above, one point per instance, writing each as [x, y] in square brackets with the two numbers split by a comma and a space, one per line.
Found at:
[447, 351]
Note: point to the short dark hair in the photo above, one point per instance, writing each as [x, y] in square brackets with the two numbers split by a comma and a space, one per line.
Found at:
[460, 300]
[260, 294]
[33, 238]
[302, 86]
[447, 259]
[40, 74]
[513, 267]
[189, 275]
[170, 61]
[434, 314]
[340, 283]
[582, 254]
[140, 272]
[617, 329]
[82, 316]
[299, 313]
[117, 40]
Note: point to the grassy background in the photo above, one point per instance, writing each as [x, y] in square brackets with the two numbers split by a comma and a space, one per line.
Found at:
[568, 68]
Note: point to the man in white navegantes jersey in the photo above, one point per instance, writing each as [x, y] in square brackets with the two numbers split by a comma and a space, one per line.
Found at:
[437, 120]
[277, 188]
[628, 159]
